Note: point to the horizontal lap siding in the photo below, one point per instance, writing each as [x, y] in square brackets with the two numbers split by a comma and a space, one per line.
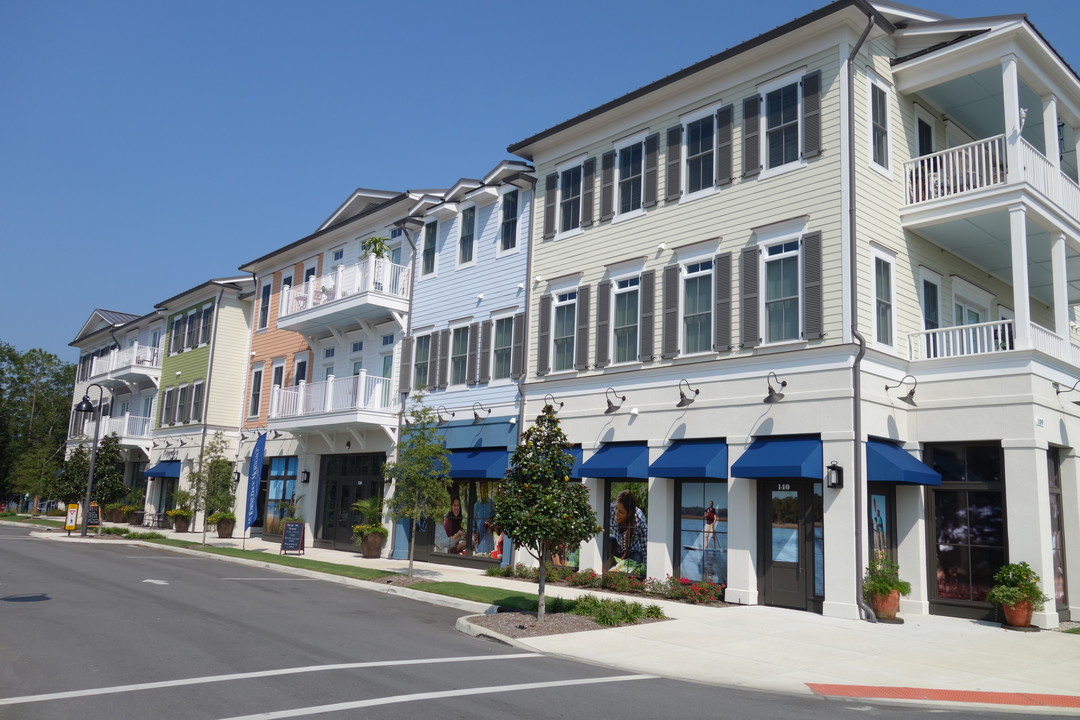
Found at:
[731, 212]
[231, 357]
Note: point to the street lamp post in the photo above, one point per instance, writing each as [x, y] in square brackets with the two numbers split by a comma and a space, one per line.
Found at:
[85, 406]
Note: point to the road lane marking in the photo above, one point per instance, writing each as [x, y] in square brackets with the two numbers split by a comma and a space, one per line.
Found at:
[66, 695]
[416, 697]
[156, 582]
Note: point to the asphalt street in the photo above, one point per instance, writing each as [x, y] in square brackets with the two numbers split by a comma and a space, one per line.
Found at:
[129, 632]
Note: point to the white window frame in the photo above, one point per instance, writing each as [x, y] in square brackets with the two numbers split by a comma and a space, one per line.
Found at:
[168, 407]
[254, 402]
[193, 334]
[878, 254]
[277, 364]
[765, 258]
[703, 113]
[686, 273]
[460, 236]
[454, 330]
[637, 140]
[434, 233]
[875, 81]
[966, 293]
[495, 320]
[298, 359]
[282, 304]
[924, 115]
[336, 255]
[559, 299]
[311, 269]
[206, 325]
[577, 162]
[503, 192]
[197, 388]
[927, 275]
[633, 285]
[183, 404]
[420, 380]
[792, 78]
[265, 298]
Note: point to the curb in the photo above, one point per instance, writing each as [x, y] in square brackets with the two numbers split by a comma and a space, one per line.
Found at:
[482, 633]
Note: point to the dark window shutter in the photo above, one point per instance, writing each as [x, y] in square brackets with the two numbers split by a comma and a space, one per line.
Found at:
[405, 371]
[551, 192]
[581, 341]
[751, 144]
[749, 319]
[444, 358]
[607, 185]
[670, 341]
[673, 182]
[588, 182]
[603, 324]
[812, 301]
[648, 316]
[722, 294]
[652, 158]
[811, 119]
[517, 358]
[474, 346]
[433, 362]
[543, 338]
[485, 351]
[725, 116]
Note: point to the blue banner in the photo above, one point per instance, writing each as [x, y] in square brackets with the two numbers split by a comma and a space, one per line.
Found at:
[255, 468]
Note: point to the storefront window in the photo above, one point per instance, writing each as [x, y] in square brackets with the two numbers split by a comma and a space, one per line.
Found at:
[627, 527]
[702, 531]
[281, 492]
[466, 529]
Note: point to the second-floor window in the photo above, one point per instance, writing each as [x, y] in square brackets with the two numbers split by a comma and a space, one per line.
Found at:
[782, 291]
[508, 227]
[427, 266]
[264, 304]
[502, 348]
[625, 321]
[255, 398]
[565, 318]
[699, 154]
[194, 330]
[782, 125]
[207, 320]
[631, 169]
[467, 240]
[570, 198]
[421, 358]
[879, 124]
[459, 356]
[168, 407]
[182, 412]
[883, 299]
[196, 402]
[697, 307]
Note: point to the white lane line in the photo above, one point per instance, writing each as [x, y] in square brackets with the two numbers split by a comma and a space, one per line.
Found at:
[415, 697]
[248, 675]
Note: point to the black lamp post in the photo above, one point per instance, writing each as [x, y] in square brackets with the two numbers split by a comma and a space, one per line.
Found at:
[85, 406]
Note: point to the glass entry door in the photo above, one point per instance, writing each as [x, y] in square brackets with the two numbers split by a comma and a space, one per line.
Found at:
[791, 543]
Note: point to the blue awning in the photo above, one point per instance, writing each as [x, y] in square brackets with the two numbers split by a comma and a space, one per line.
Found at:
[886, 462]
[575, 472]
[612, 460]
[780, 457]
[167, 469]
[485, 463]
[692, 459]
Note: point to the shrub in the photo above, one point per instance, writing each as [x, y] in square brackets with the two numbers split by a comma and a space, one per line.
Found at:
[146, 536]
[499, 571]
[114, 531]
[1016, 583]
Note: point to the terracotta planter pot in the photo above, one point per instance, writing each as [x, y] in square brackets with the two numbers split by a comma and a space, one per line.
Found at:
[181, 523]
[1018, 615]
[225, 528]
[886, 606]
[371, 546]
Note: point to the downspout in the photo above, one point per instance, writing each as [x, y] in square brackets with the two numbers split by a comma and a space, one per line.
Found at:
[856, 367]
[206, 390]
[525, 334]
[405, 393]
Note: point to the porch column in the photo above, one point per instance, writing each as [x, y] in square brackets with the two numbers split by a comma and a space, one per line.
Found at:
[659, 561]
[1061, 287]
[1050, 131]
[1021, 292]
[1010, 87]
[591, 553]
[742, 584]
[1070, 511]
[1027, 497]
[842, 519]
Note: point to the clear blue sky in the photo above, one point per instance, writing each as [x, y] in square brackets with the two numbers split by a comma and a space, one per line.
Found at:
[148, 146]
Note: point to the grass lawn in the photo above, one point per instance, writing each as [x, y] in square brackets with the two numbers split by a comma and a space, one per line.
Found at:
[1074, 631]
[489, 595]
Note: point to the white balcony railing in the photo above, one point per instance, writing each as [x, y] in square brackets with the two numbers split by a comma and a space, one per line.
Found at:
[961, 340]
[146, 356]
[957, 170]
[357, 392]
[126, 426]
[369, 275]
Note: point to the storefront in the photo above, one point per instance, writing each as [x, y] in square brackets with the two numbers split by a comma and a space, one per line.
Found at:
[344, 479]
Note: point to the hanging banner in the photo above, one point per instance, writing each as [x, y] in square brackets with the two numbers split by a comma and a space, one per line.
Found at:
[254, 480]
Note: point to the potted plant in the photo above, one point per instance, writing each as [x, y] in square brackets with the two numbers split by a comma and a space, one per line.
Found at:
[181, 515]
[1018, 592]
[882, 587]
[114, 512]
[377, 246]
[370, 534]
[224, 521]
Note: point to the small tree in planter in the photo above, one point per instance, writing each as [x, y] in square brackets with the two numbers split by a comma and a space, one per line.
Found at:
[370, 533]
[213, 488]
[536, 504]
[1018, 591]
[181, 515]
[882, 586]
[421, 472]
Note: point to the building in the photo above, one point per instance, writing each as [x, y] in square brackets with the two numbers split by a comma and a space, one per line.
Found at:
[823, 280]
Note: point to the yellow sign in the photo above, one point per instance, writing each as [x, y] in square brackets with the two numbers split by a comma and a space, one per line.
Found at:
[72, 516]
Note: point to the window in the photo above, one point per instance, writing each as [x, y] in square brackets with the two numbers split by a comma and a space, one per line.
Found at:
[357, 367]
[467, 240]
[328, 352]
[570, 198]
[264, 304]
[255, 400]
[196, 402]
[177, 334]
[358, 346]
[193, 330]
[182, 412]
[278, 376]
[339, 254]
[924, 129]
[396, 233]
[387, 340]
[563, 332]
[782, 125]
[697, 307]
[508, 228]
[430, 236]
[879, 123]
[421, 358]
[300, 372]
[168, 410]
[502, 348]
[883, 298]
[631, 168]
[625, 325]
[782, 291]
[207, 315]
[699, 154]
[309, 272]
[459, 355]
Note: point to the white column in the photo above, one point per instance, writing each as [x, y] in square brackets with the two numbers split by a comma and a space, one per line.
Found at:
[591, 554]
[841, 517]
[1021, 292]
[1010, 86]
[659, 563]
[742, 583]
[1061, 287]
[1070, 512]
[328, 394]
[275, 400]
[1050, 131]
[911, 542]
[1027, 499]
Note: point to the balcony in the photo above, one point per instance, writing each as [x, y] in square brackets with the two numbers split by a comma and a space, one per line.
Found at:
[137, 365]
[361, 398]
[988, 338]
[369, 290]
[133, 431]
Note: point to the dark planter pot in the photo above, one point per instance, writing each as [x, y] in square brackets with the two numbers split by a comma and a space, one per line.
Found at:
[886, 606]
[115, 516]
[181, 523]
[371, 546]
[136, 518]
[225, 528]
[1018, 615]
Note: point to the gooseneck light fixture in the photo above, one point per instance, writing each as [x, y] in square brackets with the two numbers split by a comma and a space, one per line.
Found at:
[442, 420]
[910, 397]
[612, 407]
[774, 396]
[1059, 391]
[476, 413]
[549, 399]
[85, 406]
[684, 399]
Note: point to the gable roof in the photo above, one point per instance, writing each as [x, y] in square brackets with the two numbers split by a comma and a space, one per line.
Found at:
[101, 320]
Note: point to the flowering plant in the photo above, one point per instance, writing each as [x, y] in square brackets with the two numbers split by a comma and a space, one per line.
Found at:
[1017, 583]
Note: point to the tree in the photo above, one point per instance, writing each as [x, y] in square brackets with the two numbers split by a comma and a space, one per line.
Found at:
[70, 485]
[108, 472]
[421, 472]
[212, 485]
[34, 470]
[536, 504]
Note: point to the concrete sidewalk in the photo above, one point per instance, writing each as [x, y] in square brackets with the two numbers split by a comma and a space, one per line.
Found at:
[928, 658]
